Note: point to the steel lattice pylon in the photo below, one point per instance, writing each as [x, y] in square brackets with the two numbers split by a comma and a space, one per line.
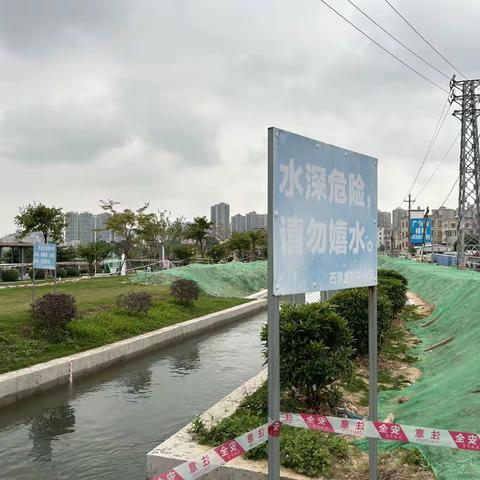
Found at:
[464, 93]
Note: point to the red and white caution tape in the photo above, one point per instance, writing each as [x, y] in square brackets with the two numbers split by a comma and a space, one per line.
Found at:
[384, 431]
[218, 456]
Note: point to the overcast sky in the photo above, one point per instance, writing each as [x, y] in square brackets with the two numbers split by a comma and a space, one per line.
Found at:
[168, 101]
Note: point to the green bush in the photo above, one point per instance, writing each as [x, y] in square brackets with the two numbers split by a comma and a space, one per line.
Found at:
[73, 272]
[310, 453]
[185, 291]
[307, 452]
[53, 312]
[315, 350]
[61, 273]
[395, 291]
[10, 275]
[352, 305]
[135, 303]
[389, 273]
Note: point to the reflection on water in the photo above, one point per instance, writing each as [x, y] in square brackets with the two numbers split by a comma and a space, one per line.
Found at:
[102, 428]
[139, 382]
[184, 361]
[45, 428]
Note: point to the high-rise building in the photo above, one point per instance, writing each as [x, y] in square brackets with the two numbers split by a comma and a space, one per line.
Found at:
[255, 221]
[384, 219]
[100, 233]
[220, 217]
[238, 223]
[397, 215]
[83, 228]
[71, 230]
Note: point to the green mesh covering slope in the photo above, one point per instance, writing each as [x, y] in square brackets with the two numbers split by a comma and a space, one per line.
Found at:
[443, 397]
[235, 279]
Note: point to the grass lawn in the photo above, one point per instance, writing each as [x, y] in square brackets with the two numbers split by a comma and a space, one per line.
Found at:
[98, 320]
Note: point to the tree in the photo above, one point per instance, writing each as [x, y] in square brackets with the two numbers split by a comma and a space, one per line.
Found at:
[157, 229]
[124, 223]
[198, 231]
[50, 221]
[258, 240]
[241, 244]
[218, 252]
[94, 253]
[66, 254]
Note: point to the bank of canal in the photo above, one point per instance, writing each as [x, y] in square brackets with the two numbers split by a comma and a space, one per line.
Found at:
[103, 427]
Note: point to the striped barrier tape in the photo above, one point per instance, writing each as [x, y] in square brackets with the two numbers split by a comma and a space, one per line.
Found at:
[384, 431]
[218, 456]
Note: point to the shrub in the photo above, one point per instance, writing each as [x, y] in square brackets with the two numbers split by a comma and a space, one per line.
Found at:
[73, 272]
[395, 291]
[352, 305]
[310, 453]
[9, 275]
[315, 350]
[61, 272]
[389, 273]
[53, 311]
[185, 291]
[135, 303]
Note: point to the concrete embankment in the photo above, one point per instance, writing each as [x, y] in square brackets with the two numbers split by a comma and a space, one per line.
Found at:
[27, 381]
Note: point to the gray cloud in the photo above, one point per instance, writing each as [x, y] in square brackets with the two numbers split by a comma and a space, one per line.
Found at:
[170, 101]
[45, 133]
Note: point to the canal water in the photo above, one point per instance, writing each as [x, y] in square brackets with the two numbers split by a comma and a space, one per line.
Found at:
[103, 427]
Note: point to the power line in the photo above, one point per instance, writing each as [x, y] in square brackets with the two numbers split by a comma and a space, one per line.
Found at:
[436, 131]
[398, 41]
[450, 192]
[438, 165]
[438, 127]
[382, 47]
[423, 38]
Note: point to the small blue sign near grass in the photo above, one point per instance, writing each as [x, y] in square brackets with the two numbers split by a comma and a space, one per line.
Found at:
[45, 256]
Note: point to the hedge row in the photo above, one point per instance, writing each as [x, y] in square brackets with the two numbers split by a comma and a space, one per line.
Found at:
[318, 341]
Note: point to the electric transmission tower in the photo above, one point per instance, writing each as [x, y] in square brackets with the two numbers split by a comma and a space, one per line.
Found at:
[464, 93]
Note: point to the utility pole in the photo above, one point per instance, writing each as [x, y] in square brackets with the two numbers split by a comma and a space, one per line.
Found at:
[464, 93]
[425, 221]
[409, 201]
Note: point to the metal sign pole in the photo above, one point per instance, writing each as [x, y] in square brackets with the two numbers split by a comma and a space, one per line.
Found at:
[273, 332]
[55, 281]
[372, 377]
[33, 286]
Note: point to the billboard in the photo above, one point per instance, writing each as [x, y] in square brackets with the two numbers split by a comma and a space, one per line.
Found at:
[416, 231]
[45, 256]
[324, 216]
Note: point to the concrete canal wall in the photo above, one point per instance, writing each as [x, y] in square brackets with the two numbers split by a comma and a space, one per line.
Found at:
[180, 447]
[27, 381]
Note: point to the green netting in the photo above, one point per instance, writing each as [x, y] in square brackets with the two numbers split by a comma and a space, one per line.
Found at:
[235, 279]
[443, 396]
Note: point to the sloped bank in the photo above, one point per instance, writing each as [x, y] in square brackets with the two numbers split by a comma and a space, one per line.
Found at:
[234, 279]
[446, 395]
[27, 381]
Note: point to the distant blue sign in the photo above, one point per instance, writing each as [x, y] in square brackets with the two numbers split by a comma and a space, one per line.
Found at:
[324, 216]
[45, 256]
[416, 231]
